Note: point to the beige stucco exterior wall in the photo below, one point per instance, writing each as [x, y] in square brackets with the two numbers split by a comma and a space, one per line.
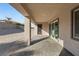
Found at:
[65, 29]
[27, 30]
[33, 29]
[45, 28]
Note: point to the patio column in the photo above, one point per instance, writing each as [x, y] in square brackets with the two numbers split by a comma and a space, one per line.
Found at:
[28, 30]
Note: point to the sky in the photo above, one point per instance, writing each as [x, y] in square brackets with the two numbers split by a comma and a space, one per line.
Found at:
[6, 10]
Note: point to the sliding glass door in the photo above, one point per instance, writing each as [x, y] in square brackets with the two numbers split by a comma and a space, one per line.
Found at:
[54, 29]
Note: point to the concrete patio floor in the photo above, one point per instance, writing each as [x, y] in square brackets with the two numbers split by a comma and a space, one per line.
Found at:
[45, 47]
[13, 45]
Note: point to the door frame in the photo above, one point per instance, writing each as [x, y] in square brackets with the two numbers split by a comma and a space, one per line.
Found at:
[50, 28]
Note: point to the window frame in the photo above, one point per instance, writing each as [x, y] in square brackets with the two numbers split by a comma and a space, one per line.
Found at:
[39, 30]
[73, 35]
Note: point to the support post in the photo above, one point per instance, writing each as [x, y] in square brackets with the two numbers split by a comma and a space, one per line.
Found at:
[28, 30]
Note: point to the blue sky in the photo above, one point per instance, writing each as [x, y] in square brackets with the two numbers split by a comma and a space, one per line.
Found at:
[7, 10]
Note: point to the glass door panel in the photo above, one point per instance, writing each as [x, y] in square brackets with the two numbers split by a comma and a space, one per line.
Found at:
[54, 29]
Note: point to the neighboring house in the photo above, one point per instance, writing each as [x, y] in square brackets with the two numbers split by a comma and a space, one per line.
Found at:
[8, 24]
[58, 21]
[9, 27]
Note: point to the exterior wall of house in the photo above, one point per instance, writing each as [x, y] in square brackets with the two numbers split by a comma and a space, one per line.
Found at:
[65, 29]
[45, 28]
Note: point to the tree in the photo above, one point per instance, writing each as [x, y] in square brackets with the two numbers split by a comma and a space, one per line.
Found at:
[8, 18]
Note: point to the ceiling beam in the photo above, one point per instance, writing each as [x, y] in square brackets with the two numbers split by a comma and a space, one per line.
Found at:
[20, 8]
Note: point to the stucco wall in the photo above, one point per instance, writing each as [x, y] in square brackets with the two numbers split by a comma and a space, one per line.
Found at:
[27, 30]
[65, 29]
[33, 28]
[45, 28]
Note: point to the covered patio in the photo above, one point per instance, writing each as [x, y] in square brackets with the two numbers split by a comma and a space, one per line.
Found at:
[48, 20]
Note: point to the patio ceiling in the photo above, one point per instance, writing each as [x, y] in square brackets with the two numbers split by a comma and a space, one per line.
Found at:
[41, 12]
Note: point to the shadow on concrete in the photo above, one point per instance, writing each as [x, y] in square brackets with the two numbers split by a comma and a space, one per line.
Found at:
[10, 31]
[23, 53]
[28, 53]
[65, 52]
[6, 48]
[38, 40]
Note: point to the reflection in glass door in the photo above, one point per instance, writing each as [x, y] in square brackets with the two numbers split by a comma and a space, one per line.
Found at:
[54, 29]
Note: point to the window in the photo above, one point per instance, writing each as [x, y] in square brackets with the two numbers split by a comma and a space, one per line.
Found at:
[39, 31]
[54, 29]
[75, 23]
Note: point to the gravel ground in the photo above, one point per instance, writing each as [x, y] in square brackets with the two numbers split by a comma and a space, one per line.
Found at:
[11, 42]
[11, 37]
